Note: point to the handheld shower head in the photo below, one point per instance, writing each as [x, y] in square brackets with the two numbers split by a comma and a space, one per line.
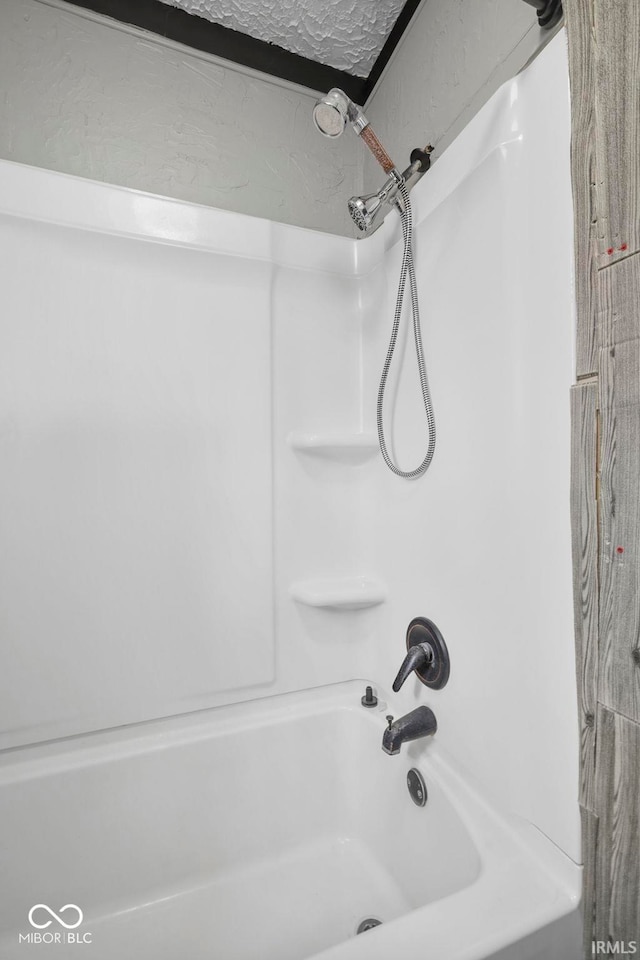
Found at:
[331, 114]
[334, 110]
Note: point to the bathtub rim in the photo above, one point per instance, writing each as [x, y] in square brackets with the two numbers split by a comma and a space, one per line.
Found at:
[515, 858]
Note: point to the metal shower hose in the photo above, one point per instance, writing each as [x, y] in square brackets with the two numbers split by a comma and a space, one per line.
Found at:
[407, 268]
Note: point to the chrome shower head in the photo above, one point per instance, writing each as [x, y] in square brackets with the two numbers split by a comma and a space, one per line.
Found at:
[330, 113]
[333, 111]
[364, 210]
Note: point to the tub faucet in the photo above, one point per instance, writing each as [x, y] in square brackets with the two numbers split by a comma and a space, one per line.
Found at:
[420, 722]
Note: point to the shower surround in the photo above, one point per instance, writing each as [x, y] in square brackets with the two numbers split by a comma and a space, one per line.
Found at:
[196, 518]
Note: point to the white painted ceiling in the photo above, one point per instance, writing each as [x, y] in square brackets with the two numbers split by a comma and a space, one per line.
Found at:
[345, 34]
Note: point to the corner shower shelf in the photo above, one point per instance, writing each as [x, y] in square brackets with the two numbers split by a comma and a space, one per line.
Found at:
[348, 447]
[339, 593]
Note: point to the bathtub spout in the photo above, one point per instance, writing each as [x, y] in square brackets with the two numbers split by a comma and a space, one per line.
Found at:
[421, 722]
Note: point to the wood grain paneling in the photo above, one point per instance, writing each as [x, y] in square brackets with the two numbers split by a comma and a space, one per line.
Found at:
[583, 176]
[618, 314]
[619, 364]
[617, 873]
[589, 848]
[617, 63]
[584, 525]
[619, 628]
[604, 47]
[598, 859]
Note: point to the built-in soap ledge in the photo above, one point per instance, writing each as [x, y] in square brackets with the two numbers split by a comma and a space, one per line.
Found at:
[347, 447]
[339, 593]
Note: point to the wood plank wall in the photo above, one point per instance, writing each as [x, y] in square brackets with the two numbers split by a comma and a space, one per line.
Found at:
[604, 63]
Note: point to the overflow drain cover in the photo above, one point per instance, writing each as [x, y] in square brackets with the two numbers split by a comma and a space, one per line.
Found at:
[368, 924]
[417, 787]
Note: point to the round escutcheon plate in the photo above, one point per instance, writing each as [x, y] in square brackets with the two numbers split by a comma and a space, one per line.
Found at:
[421, 630]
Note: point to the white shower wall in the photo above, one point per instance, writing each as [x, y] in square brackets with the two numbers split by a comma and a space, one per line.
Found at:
[156, 358]
[481, 545]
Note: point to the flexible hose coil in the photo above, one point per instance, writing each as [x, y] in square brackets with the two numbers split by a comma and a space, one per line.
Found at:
[407, 268]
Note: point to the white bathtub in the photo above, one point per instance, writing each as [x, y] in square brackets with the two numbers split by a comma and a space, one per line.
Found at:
[269, 831]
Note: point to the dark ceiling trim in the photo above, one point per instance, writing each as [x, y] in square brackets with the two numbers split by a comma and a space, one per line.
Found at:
[193, 31]
[392, 41]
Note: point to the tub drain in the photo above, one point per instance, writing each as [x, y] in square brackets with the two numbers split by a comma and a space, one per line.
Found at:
[368, 924]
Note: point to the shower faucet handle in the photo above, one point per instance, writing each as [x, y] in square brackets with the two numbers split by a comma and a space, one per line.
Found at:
[418, 658]
[427, 656]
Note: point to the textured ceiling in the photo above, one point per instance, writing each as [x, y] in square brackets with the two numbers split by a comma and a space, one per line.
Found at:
[344, 34]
